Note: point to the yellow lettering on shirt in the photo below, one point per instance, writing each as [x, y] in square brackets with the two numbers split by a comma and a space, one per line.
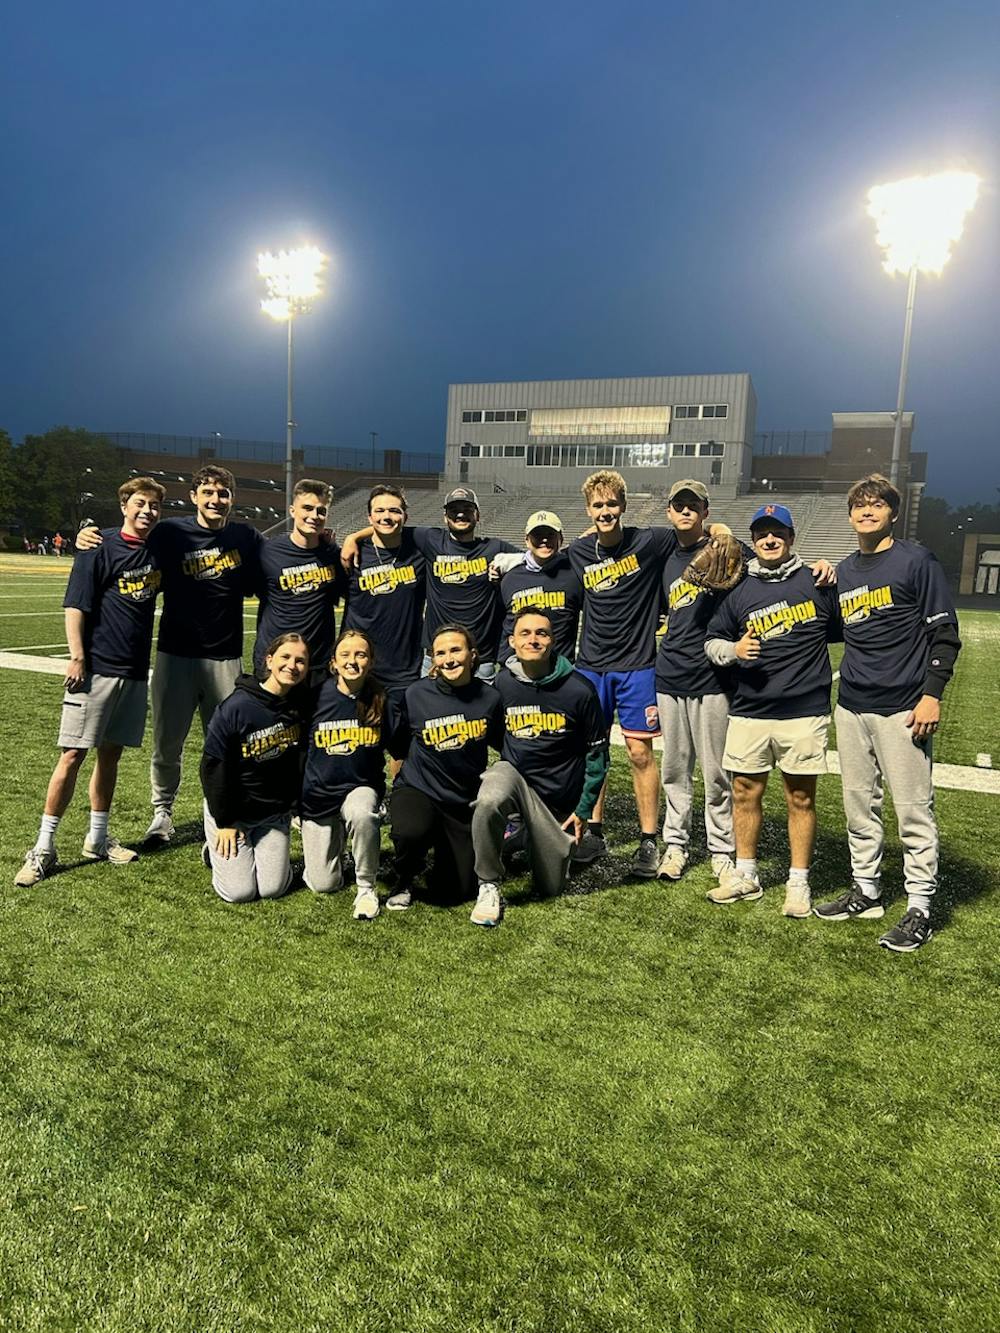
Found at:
[609, 573]
[683, 593]
[454, 569]
[451, 733]
[269, 742]
[386, 579]
[858, 604]
[139, 584]
[304, 578]
[344, 737]
[550, 601]
[773, 621]
[210, 564]
[528, 722]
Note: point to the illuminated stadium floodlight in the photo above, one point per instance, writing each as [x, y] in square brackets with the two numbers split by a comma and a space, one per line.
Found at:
[292, 279]
[918, 220]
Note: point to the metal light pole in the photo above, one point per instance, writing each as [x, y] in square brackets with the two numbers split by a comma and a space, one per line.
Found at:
[897, 430]
[918, 220]
[292, 278]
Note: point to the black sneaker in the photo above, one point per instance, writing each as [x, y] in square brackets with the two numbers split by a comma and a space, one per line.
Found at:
[645, 860]
[590, 848]
[913, 931]
[850, 906]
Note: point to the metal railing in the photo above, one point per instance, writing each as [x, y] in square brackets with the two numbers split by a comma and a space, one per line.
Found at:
[223, 448]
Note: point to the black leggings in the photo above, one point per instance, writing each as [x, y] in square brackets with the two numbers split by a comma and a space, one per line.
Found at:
[418, 823]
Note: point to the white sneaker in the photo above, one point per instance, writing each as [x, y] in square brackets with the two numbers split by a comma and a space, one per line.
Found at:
[737, 888]
[109, 850]
[400, 901]
[723, 866]
[365, 905]
[487, 910]
[672, 862]
[36, 866]
[798, 900]
[161, 829]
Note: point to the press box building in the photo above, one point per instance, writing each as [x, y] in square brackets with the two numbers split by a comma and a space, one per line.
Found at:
[548, 435]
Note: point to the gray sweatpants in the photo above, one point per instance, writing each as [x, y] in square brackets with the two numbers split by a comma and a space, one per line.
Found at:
[181, 685]
[696, 729]
[261, 869]
[323, 843]
[503, 792]
[872, 749]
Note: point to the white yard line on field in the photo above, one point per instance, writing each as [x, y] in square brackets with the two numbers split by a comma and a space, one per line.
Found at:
[951, 776]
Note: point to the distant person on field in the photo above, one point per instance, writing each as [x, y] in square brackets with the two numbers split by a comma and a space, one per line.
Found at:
[900, 647]
[109, 606]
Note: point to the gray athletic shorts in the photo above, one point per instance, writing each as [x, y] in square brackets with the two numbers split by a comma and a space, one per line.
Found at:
[108, 710]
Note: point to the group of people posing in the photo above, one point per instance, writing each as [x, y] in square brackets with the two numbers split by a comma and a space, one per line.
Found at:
[453, 643]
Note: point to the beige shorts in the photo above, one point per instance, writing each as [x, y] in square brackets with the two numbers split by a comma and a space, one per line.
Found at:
[108, 710]
[758, 744]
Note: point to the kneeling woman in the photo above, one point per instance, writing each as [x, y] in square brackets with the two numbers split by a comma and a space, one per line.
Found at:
[345, 774]
[251, 772]
[451, 720]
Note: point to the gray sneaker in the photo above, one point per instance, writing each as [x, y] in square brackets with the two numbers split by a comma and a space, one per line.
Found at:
[489, 906]
[109, 850]
[400, 900]
[589, 849]
[36, 866]
[645, 860]
[365, 905]
[161, 830]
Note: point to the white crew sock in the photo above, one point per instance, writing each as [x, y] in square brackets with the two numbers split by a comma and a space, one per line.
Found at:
[98, 827]
[921, 901]
[869, 887]
[796, 876]
[747, 867]
[47, 833]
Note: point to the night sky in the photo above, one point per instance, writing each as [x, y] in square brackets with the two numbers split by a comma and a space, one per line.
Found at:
[553, 190]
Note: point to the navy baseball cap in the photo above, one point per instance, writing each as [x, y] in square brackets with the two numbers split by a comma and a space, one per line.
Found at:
[460, 495]
[779, 513]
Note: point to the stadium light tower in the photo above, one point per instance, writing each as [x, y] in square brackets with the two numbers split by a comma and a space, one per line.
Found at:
[917, 222]
[292, 280]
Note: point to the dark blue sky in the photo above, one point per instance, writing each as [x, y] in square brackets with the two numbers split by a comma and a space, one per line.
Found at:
[508, 192]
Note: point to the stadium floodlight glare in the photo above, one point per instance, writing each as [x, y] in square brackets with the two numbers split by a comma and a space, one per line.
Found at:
[918, 220]
[292, 279]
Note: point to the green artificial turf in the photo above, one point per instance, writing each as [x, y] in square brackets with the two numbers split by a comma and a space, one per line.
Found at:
[626, 1109]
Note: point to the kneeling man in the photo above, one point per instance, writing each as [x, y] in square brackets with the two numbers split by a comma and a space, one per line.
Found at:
[552, 767]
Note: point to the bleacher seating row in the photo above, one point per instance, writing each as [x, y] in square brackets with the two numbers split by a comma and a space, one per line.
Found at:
[821, 531]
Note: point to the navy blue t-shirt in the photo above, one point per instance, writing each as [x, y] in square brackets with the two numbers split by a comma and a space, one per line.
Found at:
[621, 597]
[557, 589]
[385, 598]
[206, 574]
[251, 768]
[889, 604]
[459, 590]
[299, 589]
[682, 669]
[549, 729]
[343, 752]
[115, 586]
[795, 622]
[449, 734]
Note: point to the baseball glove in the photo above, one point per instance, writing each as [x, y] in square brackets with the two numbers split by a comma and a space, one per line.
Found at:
[718, 566]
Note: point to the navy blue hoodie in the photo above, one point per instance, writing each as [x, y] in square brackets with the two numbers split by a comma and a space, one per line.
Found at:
[251, 769]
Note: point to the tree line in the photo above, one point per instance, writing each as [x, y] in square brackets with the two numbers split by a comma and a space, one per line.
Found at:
[52, 482]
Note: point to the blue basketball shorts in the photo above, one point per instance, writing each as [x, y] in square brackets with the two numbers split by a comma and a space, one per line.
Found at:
[632, 694]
